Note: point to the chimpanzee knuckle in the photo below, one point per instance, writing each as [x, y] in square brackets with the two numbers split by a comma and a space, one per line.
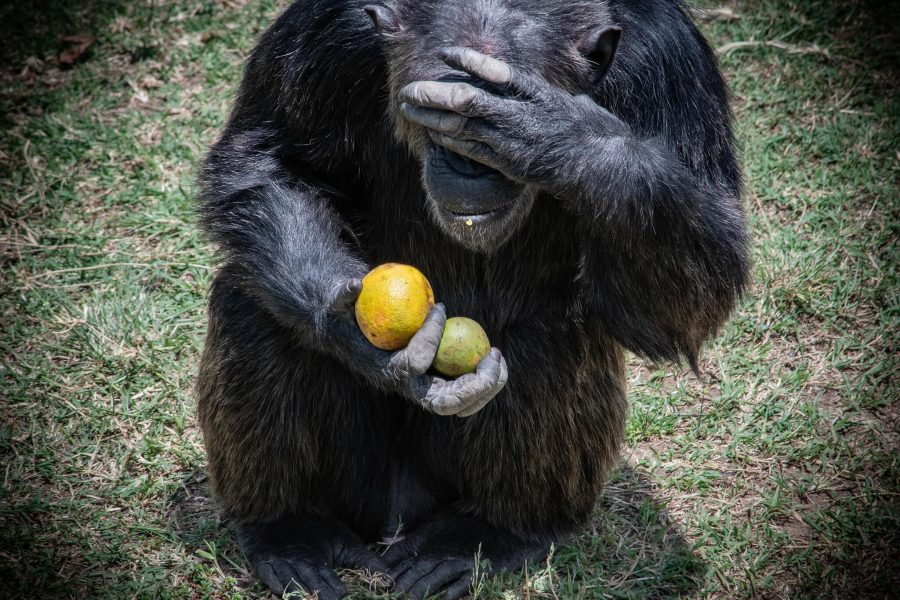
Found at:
[469, 60]
[474, 407]
[424, 345]
[524, 83]
[494, 71]
[445, 404]
[472, 386]
[420, 359]
[412, 93]
[489, 369]
[428, 337]
[429, 95]
[475, 131]
[468, 147]
[504, 373]
[451, 123]
[463, 96]
[400, 367]
[452, 144]
[483, 104]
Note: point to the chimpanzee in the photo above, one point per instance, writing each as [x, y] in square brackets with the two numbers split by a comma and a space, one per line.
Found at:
[563, 172]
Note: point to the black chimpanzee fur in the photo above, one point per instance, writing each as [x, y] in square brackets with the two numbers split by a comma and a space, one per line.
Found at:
[563, 172]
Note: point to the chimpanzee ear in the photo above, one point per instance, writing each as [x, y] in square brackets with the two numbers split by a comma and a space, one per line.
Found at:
[384, 18]
[599, 46]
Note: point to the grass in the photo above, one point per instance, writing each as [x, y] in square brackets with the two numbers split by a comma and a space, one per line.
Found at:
[774, 476]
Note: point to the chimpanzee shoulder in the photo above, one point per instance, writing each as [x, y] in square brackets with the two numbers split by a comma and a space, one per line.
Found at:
[317, 77]
[665, 82]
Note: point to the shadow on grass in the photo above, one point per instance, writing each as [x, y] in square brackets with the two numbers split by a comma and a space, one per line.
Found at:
[631, 549]
[194, 519]
[38, 32]
[33, 27]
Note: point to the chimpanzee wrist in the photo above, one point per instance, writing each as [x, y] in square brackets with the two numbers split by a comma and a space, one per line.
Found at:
[594, 144]
[341, 337]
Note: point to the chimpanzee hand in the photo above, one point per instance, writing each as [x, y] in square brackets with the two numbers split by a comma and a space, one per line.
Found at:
[520, 125]
[405, 371]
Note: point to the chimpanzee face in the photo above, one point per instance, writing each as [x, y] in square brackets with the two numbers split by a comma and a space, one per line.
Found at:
[476, 205]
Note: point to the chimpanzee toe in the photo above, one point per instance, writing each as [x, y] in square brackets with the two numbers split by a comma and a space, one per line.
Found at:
[284, 574]
[419, 577]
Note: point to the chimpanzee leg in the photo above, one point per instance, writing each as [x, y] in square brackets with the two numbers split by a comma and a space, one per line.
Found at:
[297, 448]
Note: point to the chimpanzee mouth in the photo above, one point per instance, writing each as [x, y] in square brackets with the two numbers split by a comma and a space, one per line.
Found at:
[462, 166]
[474, 218]
[466, 190]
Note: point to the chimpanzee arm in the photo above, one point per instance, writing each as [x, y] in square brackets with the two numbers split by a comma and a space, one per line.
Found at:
[281, 238]
[661, 187]
[666, 258]
[280, 234]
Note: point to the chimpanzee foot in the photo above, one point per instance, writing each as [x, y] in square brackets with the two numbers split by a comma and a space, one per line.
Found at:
[440, 556]
[422, 576]
[300, 554]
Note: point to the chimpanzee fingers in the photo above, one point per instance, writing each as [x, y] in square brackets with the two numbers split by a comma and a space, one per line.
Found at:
[359, 557]
[399, 556]
[442, 121]
[477, 151]
[343, 295]
[448, 123]
[457, 396]
[458, 97]
[475, 407]
[489, 69]
[420, 351]
[284, 575]
[457, 590]
[431, 578]
[409, 572]
[330, 578]
[477, 64]
[504, 372]
[267, 574]
[489, 370]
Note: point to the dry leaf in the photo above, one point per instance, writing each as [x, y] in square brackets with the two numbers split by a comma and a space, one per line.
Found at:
[71, 55]
[723, 13]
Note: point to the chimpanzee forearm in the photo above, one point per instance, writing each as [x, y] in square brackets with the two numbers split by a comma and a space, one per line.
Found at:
[666, 258]
[281, 235]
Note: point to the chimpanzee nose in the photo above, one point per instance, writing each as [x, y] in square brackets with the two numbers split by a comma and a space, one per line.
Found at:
[485, 46]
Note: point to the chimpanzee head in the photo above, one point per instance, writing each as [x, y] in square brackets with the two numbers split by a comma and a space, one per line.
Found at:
[478, 206]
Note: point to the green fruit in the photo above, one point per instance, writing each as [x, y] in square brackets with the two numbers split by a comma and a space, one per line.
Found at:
[463, 344]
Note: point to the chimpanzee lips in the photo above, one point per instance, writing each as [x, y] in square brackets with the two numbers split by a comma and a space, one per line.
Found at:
[464, 167]
[464, 188]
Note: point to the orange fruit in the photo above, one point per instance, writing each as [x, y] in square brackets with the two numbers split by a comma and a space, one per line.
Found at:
[463, 345]
[393, 304]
